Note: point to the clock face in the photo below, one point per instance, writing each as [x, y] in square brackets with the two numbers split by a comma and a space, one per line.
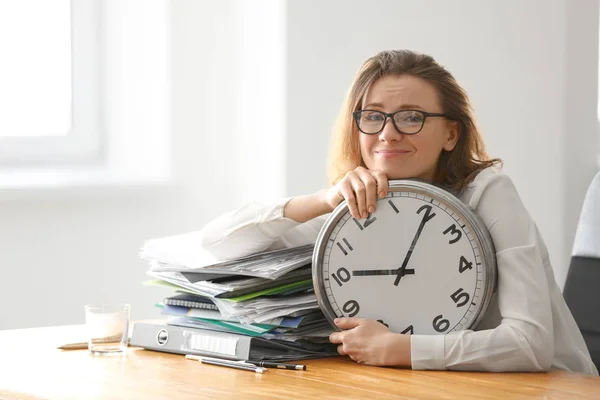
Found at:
[416, 264]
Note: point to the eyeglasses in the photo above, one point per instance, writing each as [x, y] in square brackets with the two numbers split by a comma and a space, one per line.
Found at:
[409, 122]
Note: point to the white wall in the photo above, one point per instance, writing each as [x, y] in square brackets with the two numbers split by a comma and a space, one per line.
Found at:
[530, 68]
[531, 73]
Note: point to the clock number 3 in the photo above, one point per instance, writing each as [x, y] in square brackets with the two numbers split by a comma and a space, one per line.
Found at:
[453, 231]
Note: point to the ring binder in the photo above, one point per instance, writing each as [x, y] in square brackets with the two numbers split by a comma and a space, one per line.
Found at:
[182, 340]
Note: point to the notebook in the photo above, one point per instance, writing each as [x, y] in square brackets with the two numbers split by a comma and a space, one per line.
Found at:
[190, 301]
[185, 340]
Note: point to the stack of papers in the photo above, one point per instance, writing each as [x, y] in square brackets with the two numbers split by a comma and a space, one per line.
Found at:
[269, 294]
[269, 265]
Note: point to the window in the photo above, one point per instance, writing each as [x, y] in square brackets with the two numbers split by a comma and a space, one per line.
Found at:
[89, 99]
[50, 81]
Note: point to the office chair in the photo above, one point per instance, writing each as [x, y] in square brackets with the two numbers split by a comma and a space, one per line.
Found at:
[582, 287]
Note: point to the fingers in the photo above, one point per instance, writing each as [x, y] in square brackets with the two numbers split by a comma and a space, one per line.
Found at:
[348, 192]
[342, 351]
[344, 347]
[360, 189]
[382, 183]
[348, 323]
[368, 192]
[336, 337]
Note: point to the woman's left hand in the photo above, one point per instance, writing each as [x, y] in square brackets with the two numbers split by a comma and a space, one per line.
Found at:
[369, 342]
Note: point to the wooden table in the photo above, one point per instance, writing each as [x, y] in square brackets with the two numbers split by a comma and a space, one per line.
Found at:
[32, 368]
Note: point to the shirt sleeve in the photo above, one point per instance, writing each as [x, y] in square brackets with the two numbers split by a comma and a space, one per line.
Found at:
[524, 339]
[256, 227]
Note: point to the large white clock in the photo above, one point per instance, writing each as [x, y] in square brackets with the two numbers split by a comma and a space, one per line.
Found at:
[422, 263]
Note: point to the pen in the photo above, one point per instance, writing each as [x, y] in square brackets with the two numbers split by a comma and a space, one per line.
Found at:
[269, 364]
[79, 345]
[227, 363]
[74, 346]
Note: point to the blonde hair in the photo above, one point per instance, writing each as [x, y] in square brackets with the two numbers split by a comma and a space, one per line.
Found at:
[454, 168]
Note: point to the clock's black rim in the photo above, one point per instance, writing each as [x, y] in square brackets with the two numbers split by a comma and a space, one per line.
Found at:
[482, 237]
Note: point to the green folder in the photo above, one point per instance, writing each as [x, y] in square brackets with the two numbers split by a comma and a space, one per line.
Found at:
[283, 289]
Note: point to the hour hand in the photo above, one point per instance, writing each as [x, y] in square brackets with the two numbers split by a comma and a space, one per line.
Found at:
[372, 272]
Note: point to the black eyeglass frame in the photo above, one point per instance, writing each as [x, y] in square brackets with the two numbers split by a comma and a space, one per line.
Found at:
[356, 115]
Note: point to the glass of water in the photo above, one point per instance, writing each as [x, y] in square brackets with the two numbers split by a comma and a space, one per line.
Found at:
[107, 328]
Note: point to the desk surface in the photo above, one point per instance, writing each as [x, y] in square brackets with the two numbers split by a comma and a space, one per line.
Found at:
[31, 368]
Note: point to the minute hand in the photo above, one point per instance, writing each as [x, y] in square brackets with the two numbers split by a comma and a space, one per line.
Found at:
[426, 218]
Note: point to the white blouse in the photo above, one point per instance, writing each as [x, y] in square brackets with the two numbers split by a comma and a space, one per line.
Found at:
[527, 325]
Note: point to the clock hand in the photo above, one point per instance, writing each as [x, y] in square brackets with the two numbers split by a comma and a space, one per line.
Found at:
[428, 215]
[370, 272]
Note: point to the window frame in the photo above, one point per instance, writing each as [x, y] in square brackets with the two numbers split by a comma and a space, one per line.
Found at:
[83, 142]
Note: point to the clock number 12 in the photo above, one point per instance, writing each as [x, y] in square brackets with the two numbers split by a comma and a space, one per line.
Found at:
[370, 219]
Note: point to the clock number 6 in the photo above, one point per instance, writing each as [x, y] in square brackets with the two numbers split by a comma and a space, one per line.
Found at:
[440, 324]
[457, 296]
[351, 308]
[453, 231]
[341, 276]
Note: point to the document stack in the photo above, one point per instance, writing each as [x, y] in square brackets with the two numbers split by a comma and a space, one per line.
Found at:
[267, 296]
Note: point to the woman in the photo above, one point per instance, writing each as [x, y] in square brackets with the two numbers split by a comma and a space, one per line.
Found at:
[406, 117]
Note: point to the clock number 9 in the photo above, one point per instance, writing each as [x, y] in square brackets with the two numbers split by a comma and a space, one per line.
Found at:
[351, 308]
[440, 324]
[341, 276]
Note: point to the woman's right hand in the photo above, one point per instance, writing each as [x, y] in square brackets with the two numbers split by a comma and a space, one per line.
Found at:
[360, 188]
